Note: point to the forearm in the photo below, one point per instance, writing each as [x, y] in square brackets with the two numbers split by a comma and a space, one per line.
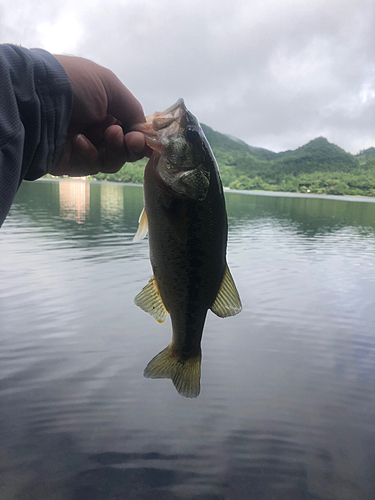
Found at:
[35, 109]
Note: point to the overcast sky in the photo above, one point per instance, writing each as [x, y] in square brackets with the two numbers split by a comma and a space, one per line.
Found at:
[274, 73]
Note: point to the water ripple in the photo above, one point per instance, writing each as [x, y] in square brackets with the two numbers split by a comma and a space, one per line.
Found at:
[286, 407]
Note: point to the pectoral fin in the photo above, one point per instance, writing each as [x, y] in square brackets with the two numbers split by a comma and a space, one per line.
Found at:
[150, 301]
[142, 228]
[227, 302]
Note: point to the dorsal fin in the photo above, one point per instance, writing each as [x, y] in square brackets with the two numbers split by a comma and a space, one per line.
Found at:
[142, 228]
[150, 301]
[227, 302]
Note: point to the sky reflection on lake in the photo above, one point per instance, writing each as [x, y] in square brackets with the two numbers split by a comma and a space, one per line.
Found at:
[287, 403]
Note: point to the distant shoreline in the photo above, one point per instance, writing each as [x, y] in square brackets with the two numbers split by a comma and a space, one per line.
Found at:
[279, 194]
[286, 194]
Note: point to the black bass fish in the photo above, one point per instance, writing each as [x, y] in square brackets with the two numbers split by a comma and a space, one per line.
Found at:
[186, 219]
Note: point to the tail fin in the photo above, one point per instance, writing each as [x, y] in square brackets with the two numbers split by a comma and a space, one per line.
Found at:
[185, 374]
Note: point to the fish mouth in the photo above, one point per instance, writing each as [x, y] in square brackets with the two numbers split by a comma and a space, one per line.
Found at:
[162, 124]
[177, 114]
[179, 104]
[179, 162]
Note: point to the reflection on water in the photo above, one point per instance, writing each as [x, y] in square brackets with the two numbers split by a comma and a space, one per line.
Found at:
[111, 201]
[74, 200]
[75, 203]
[286, 410]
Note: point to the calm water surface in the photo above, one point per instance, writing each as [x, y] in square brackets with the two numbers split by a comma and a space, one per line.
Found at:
[287, 406]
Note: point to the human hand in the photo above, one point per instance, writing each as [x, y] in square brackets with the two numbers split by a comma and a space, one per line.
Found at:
[99, 137]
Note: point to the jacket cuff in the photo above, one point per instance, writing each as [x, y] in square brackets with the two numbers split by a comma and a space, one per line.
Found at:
[56, 98]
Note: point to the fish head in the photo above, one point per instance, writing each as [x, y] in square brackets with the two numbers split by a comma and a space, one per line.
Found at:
[182, 151]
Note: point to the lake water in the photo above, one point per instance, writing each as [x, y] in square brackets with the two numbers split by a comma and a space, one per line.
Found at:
[287, 403]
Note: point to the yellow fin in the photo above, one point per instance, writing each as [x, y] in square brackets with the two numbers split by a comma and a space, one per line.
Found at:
[185, 374]
[150, 301]
[142, 228]
[227, 302]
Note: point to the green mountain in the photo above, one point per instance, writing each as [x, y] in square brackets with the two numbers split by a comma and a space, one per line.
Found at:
[318, 154]
[225, 143]
[366, 157]
[317, 167]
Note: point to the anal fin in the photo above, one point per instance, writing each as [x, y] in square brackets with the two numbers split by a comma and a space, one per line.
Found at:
[150, 301]
[142, 228]
[227, 302]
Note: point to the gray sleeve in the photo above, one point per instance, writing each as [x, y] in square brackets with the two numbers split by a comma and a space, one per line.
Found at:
[35, 109]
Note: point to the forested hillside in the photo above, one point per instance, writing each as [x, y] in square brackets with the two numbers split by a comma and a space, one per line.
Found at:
[317, 167]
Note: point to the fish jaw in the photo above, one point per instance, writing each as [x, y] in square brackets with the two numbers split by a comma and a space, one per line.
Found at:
[161, 124]
[181, 149]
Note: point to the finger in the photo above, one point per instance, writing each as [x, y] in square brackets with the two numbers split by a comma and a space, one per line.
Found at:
[79, 159]
[136, 146]
[114, 153]
[114, 136]
[84, 159]
[84, 148]
[121, 102]
[95, 132]
[119, 149]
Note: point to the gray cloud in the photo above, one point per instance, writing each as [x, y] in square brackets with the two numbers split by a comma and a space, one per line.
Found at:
[275, 74]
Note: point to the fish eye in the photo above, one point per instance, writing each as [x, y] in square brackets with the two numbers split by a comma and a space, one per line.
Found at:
[193, 136]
